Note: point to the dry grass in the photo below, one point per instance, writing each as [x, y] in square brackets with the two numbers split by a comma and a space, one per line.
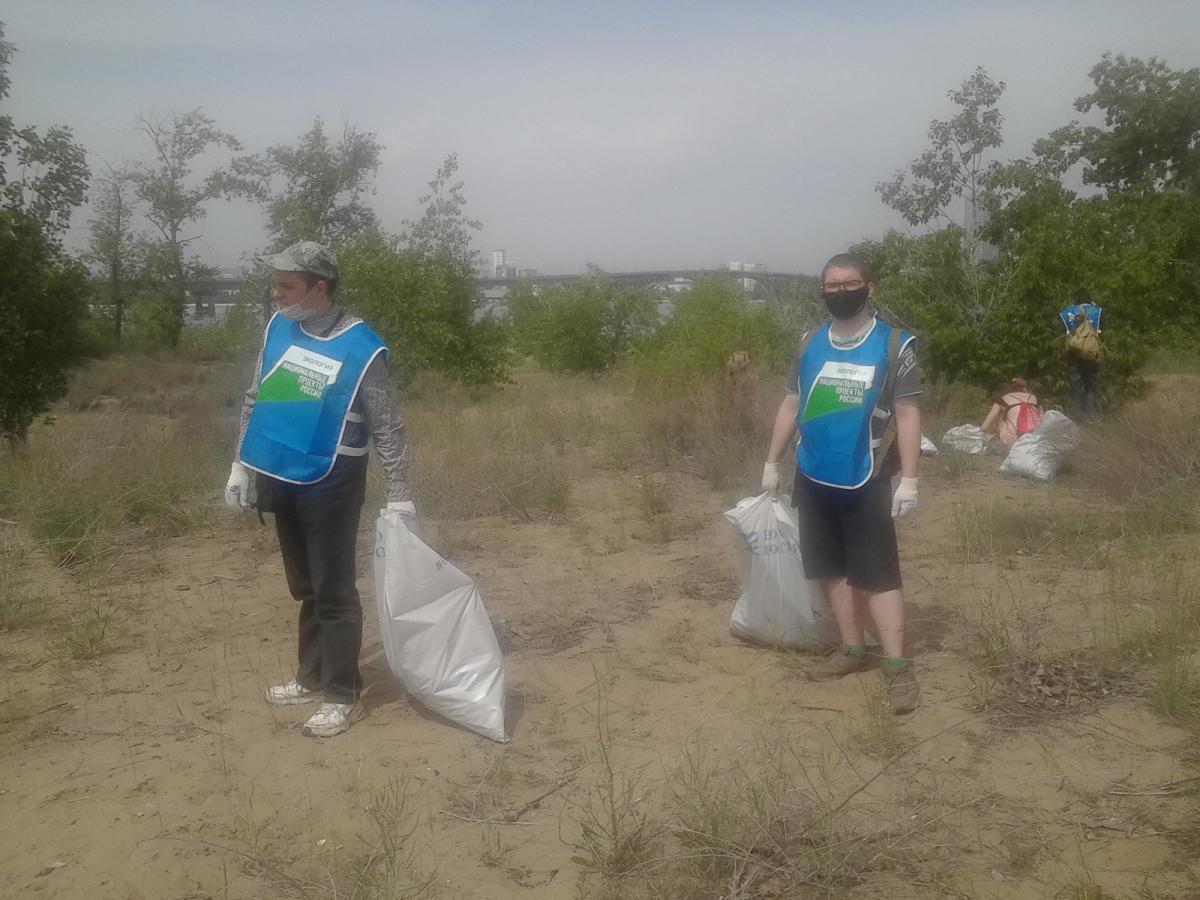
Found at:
[616, 837]
[515, 450]
[716, 429]
[511, 451]
[393, 869]
[1147, 458]
[159, 385]
[944, 405]
[19, 607]
[997, 530]
[766, 822]
[84, 486]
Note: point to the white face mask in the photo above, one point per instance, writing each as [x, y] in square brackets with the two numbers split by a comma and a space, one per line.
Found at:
[297, 312]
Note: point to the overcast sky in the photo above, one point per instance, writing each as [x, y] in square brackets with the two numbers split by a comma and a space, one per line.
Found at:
[629, 135]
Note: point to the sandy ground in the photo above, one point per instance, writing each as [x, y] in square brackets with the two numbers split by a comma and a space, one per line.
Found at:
[157, 771]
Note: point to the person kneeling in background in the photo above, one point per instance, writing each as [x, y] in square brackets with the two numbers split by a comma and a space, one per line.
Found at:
[1015, 411]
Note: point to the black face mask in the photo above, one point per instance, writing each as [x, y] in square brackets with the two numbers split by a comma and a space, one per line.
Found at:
[846, 304]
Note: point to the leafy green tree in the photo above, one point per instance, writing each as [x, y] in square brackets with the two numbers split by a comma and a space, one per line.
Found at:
[587, 326]
[175, 199]
[1151, 133]
[956, 169]
[323, 187]
[116, 251]
[423, 305]
[1135, 244]
[53, 172]
[444, 227]
[43, 297]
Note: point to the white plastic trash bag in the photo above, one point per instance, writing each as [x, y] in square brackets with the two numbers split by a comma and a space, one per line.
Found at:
[966, 439]
[778, 605]
[437, 636]
[1039, 453]
[928, 447]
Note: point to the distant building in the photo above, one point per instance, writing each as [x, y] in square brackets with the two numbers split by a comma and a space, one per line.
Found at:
[748, 284]
[502, 268]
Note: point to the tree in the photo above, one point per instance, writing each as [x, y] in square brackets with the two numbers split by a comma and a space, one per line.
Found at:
[1151, 135]
[42, 299]
[53, 168]
[114, 248]
[955, 168]
[444, 227]
[322, 195]
[174, 199]
[42, 295]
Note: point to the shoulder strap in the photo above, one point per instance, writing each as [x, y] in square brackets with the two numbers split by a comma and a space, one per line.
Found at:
[808, 339]
[893, 361]
[888, 438]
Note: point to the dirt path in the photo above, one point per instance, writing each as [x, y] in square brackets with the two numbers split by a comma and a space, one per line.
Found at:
[156, 771]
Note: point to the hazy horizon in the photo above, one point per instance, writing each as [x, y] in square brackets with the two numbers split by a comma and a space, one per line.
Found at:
[666, 136]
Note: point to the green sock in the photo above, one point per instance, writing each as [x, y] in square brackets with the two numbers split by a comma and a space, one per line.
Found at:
[895, 662]
[856, 650]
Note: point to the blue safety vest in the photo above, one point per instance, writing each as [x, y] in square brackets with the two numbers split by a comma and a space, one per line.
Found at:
[1073, 313]
[843, 415]
[306, 411]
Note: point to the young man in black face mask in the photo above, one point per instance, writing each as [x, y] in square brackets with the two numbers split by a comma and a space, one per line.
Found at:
[853, 396]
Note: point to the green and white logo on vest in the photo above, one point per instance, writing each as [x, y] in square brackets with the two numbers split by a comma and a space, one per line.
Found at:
[838, 386]
[300, 376]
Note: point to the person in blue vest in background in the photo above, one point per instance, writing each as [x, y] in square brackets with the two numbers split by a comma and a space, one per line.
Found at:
[320, 389]
[852, 394]
[1082, 352]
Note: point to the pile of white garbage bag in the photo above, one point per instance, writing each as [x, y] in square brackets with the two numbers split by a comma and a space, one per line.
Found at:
[1039, 453]
[966, 439]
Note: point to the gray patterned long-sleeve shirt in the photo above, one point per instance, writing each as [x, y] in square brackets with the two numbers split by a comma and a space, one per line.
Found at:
[384, 419]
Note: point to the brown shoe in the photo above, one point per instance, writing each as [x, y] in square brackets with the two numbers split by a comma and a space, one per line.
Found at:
[839, 665]
[903, 693]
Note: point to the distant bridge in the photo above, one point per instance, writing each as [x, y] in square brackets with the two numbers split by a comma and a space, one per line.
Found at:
[772, 282]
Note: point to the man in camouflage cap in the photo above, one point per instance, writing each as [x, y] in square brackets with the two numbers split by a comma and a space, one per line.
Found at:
[307, 257]
[320, 389]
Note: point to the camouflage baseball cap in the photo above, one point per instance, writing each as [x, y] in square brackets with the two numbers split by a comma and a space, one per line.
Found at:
[305, 256]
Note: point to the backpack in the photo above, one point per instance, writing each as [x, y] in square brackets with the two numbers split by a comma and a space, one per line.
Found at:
[1084, 342]
[1029, 416]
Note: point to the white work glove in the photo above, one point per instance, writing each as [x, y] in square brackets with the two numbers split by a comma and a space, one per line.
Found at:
[770, 479]
[406, 508]
[904, 500]
[237, 489]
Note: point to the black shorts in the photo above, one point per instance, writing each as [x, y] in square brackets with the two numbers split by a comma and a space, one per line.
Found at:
[849, 533]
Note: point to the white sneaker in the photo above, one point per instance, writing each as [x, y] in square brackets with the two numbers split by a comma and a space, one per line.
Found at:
[290, 693]
[332, 718]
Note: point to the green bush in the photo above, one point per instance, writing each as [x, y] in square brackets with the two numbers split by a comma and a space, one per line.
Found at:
[712, 321]
[423, 306]
[238, 334]
[151, 323]
[588, 326]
